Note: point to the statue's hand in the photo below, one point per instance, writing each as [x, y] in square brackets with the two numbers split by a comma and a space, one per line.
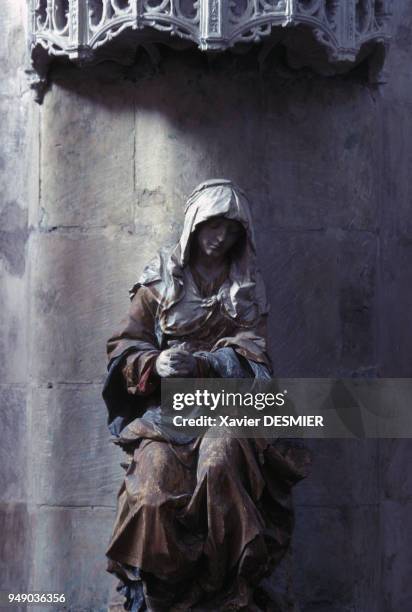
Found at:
[175, 363]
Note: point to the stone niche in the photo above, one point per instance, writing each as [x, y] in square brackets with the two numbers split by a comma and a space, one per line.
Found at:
[329, 36]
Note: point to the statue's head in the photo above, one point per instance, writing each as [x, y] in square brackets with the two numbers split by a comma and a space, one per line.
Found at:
[217, 221]
[218, 236]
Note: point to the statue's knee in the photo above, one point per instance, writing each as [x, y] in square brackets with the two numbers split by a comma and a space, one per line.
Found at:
[216, 454]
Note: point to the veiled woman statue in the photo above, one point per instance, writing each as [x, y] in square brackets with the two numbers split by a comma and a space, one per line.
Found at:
[200, 522]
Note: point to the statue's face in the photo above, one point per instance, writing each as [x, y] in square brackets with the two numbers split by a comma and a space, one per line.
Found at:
[217, 236]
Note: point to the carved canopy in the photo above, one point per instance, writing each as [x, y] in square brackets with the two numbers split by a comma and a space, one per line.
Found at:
[78, 29]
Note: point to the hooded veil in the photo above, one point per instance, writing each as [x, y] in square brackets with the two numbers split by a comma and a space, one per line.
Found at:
[242, 296]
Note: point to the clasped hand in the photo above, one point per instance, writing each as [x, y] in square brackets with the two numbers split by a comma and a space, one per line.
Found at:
[175, 363]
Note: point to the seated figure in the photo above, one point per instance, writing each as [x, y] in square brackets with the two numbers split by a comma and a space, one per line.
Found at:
[200, 521]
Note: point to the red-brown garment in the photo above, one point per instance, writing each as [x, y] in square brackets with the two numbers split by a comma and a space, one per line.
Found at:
[203, 521]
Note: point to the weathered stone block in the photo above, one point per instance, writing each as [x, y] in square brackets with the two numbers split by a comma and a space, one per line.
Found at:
[396, 522]
[395, 457]
[344, 472]
[397, 62]
[18, 169]
[14, 443]
[18, 162]
[87, 157]
[14, 351]
[80, 293]
[321, 168]
[364, 566]
[212, 131]
[73, 462]
[69, 556]
[12, 46]
[396, 164]
[15, 547]
[322, 291]
[336, 553]
[396, 306]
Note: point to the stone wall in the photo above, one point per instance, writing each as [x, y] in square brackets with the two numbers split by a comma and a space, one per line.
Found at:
[18, 185]
[94, 181]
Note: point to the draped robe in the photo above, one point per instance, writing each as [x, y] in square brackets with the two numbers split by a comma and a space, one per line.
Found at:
[198, 524]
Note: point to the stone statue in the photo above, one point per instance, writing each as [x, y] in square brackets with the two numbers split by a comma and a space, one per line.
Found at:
[199, 523]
